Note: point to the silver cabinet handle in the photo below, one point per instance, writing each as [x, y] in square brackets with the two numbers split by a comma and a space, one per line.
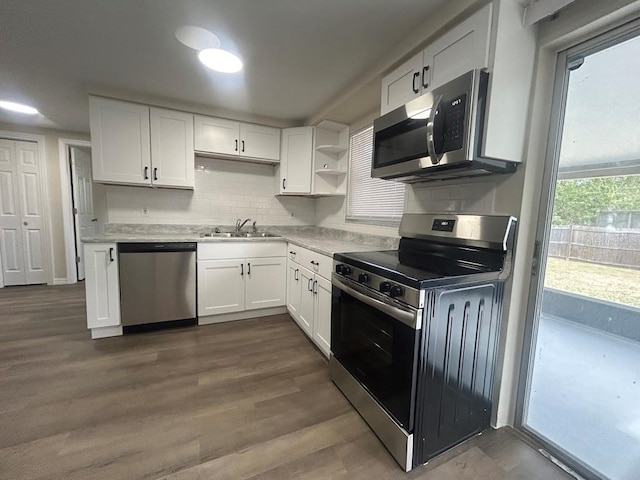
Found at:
[249, 268]
[315, 287]
[310, 285]
[241, 269]
[295, 274]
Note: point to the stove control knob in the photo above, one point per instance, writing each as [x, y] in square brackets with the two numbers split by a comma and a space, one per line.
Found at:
[396, 291]
[363, 278]
[343, 269]
[385, 287]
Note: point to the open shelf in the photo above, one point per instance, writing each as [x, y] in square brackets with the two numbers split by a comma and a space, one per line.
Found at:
[333, 149]
[330, 171]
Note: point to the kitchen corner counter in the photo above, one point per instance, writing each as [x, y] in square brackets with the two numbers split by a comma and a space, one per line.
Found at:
[320, 242]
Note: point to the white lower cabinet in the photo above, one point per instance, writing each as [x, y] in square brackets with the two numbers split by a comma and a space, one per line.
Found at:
[294, 288]
[322, 314]
[220, 286]
[240, 284]
[265, 282]
[102, 285]
[305, 317]
[309, 298]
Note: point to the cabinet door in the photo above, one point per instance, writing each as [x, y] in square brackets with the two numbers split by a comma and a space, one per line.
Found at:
[463, 48]
[294, 289]
[216, 135]
[120, 140]
[296, 161]
[220, 286]
[102, 285]
[172, 158]
[322, 314]
[305, 318]
[265, 282]
[402, 85]
[259, 141]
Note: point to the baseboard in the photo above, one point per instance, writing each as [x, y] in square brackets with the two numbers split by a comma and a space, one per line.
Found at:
[104, 332]
[229, 317]
[60, 281]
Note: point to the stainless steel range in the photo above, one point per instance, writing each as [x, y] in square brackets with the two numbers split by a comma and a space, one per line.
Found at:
[414, 331]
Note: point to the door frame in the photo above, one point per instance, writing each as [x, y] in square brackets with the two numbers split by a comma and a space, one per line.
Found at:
[47, 228]
[67, 206]
[596, 42]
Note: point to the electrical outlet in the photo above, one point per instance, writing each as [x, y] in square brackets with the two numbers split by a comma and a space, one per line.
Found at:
[145, 212]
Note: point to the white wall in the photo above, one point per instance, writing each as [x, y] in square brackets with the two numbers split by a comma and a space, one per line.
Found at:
[224, 191]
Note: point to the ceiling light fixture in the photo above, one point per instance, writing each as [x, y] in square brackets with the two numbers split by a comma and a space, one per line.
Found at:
[18, 107]
[220, 60]
[197, 38]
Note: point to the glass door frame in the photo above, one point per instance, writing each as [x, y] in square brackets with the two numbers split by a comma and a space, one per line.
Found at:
[565, 59]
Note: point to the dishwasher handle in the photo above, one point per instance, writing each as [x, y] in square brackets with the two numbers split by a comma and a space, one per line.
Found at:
[156, 247]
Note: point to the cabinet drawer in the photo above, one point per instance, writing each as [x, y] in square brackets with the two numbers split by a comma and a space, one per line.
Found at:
[316, 262]
[222, 250]
[293, 252]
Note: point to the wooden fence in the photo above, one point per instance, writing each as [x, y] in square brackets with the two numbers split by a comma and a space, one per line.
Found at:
[620, 248]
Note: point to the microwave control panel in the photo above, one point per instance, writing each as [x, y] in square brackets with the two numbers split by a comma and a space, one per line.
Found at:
[454, 123]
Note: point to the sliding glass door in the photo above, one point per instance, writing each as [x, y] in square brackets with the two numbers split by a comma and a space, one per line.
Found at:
[582, 393]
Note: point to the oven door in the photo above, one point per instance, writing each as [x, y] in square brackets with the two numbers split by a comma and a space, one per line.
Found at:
[376, 340]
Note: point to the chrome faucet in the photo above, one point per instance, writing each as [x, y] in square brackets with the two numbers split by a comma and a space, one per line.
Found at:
[240, 224]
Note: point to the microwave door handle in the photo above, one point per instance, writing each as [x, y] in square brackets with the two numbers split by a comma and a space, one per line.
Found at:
[410, 317]
[431, 147]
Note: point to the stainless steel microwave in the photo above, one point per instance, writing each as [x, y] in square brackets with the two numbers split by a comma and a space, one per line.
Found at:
[437, 136]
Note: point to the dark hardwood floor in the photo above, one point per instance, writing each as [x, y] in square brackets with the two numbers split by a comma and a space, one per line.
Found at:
[241, 400]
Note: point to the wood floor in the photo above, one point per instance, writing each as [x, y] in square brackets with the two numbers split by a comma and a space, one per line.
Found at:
[242, 400]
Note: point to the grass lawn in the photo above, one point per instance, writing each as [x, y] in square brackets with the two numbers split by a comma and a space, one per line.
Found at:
[620, 285]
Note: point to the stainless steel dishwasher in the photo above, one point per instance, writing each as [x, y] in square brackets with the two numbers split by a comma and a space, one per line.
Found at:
[157, 282]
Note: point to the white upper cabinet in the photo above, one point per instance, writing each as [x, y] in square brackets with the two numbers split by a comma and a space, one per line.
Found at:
[402, 85]
[139, 145]
[172, 156]
[464, 47]
[258, 141]
[296, 160]
[244, 140]
[315, 160]
[216, 135]
[120, 139]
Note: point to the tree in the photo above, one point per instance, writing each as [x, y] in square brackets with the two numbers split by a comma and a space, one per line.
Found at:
[578, 202]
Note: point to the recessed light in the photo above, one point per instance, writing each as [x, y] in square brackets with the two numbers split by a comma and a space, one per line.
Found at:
[197, 38]
[18, 107]
[220, 60]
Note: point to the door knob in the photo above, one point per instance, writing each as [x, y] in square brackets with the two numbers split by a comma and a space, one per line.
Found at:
[94, 219]
[25, 223]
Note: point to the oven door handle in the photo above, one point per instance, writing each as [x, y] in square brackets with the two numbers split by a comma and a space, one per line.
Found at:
[409, 316]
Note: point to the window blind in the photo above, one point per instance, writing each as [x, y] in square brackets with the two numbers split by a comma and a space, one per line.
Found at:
[369, 199]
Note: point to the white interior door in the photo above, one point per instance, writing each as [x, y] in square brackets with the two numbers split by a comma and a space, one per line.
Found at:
[82, 187]
[21, 216]
[31, 204]
[10, 217]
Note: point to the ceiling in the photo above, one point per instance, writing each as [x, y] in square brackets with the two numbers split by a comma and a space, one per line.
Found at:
[298, 54]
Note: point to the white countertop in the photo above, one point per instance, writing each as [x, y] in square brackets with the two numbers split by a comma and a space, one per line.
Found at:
[325, 246]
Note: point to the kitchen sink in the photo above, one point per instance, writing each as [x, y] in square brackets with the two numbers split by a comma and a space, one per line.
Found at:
[237, 235]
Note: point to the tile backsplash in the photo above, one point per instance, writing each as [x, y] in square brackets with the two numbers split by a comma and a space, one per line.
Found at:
[224, 191]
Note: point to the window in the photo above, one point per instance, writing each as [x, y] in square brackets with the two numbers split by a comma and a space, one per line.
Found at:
[370, 200]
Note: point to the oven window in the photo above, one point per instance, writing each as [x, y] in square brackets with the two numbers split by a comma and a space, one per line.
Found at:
[379, 351]
[401, 142]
